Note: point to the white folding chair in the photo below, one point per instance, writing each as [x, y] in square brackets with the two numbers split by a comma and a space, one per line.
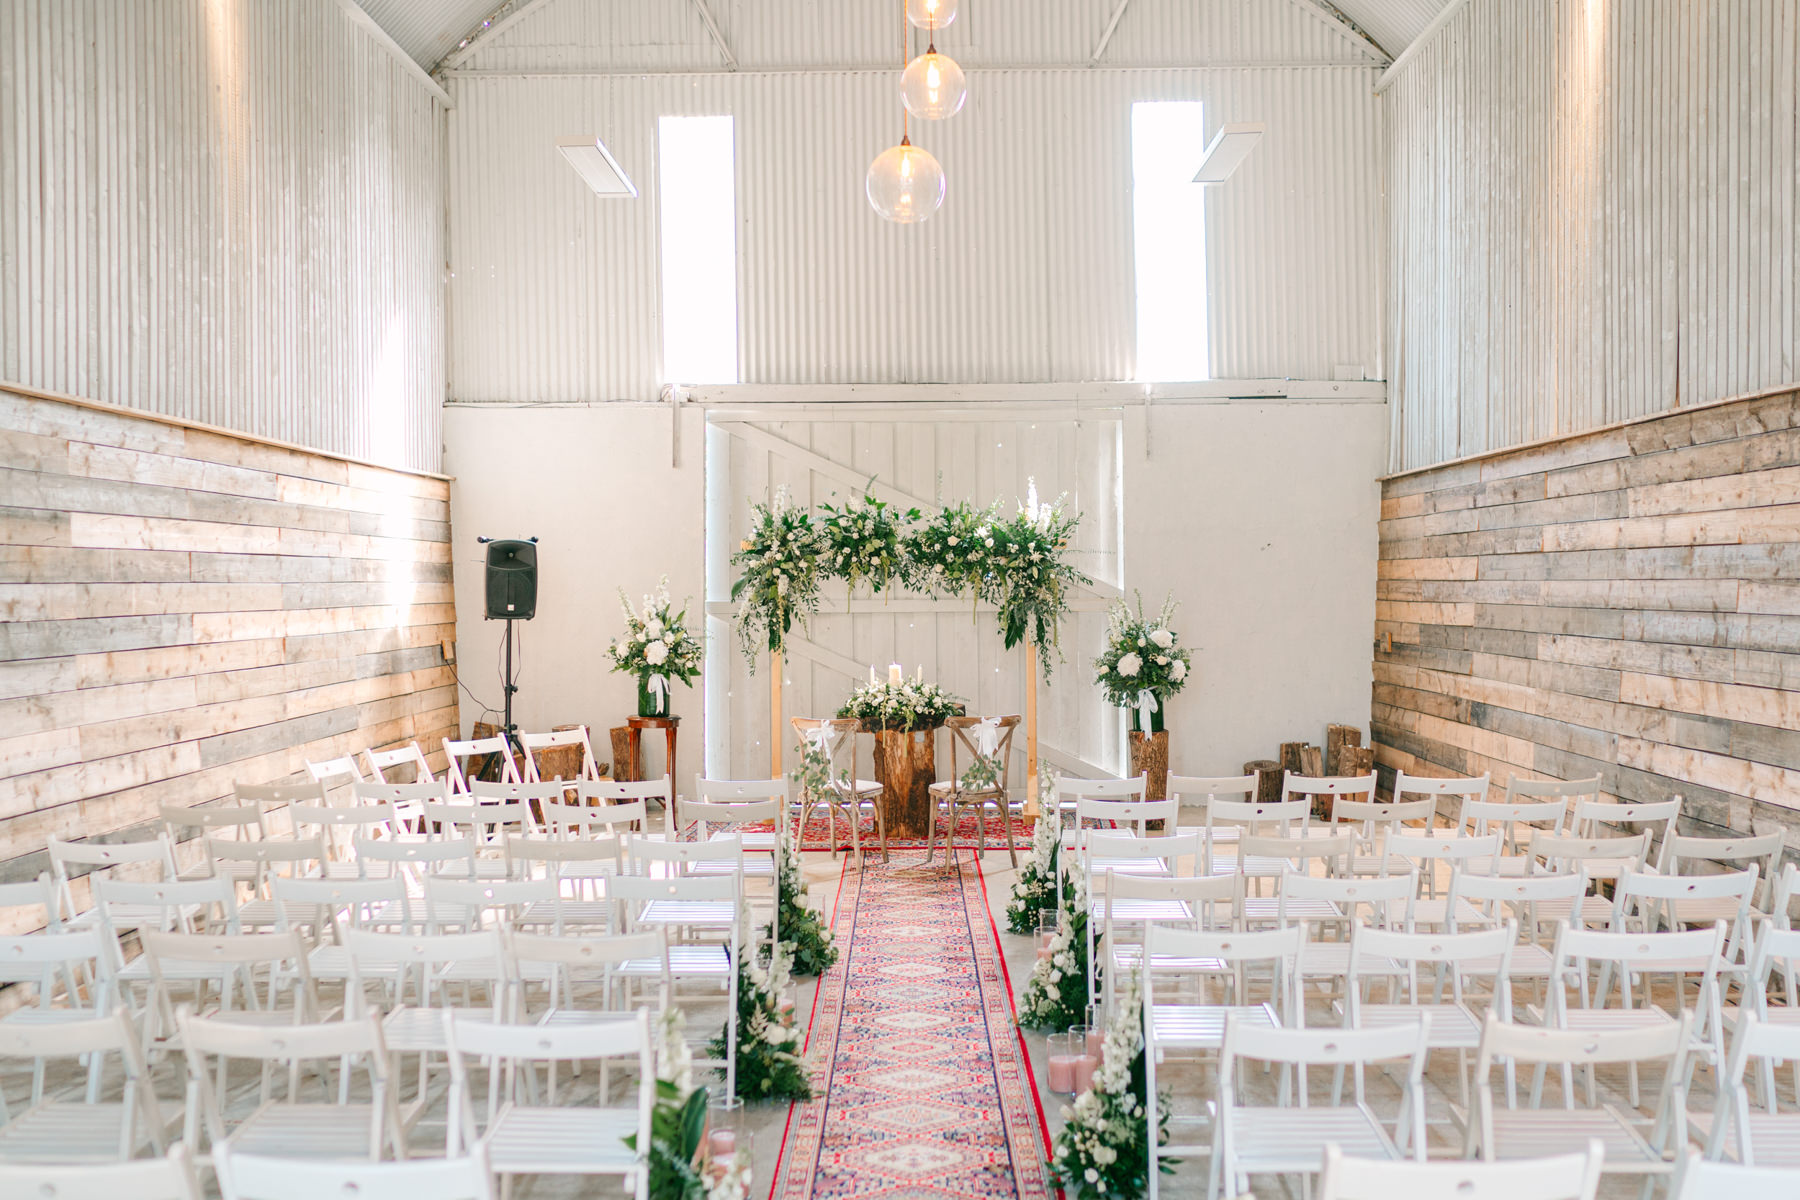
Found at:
[720, 794]
[334, 772]
[1511, 1133]
[1472, 964]
[578, 869]
[1128, 854]
[339, 827]
[1595, 858]
[1130, 817]
[1199, 791]
[599, 793]
[710, 912]
[1649, 901]
[207, 822]
[400, 757]
[327, 907]
[1261, 857]
[1762, 1136]
[1441, 790]
[1230, 821]
[1562, 1177]
[1315, 905]
[1290, 1137]
[224, 973]
[58, 963]
[153, 858]
[1470, 855]
[283, 1124]
[260, 1177]
[1601, 818]
[1374, 822]
[1517, 822]
[69, 1131]
[535, 743]
[457, 753]
[1522, 900]
[1680, 852]
[526, 1135]
[1699, 1180]
[1329, 788]
[1071, 791]
[170, 1177]
[594, 977]
[1128, 905]
[255, 864]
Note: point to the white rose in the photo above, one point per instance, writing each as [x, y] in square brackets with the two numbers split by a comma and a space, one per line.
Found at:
[953, 541]
[1130, 665]
[1162, 637]
[654, 629]
[1162, 660]
[1178, 672]
[656, 653]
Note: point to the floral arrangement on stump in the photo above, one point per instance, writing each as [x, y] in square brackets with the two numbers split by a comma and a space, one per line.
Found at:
[1056, 995]
[1103, 1148]
[1034, 892]
[779, 576]
[657, 647]
[1142, 665]
[678, 1128]
[862, 542]
[883, 705]
[805, 938]
[768, 1065]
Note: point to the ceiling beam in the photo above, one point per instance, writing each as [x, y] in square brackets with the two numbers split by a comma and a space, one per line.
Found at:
[1438, 22]
[366, 23]
[1106, 36]
[718, 36]
[1341, 24]
[493, 26]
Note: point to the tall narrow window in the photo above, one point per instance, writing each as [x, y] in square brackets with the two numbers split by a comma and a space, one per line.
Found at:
[697, 195]
[1167, 139]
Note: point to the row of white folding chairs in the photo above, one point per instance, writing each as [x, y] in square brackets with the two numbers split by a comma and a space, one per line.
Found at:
[1574, 1176]
[458, 754]
[1293, 1135]
[523, 1131]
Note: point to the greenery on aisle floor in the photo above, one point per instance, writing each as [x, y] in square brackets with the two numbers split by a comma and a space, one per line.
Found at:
[678, 1124]
[900, 707]
[778, 584]
[805, 938]
[1142, 665]
[769, 1066]
[1034, 892]
[1103, 1147]
[1056, 995]
[1022, 565]
[862, 543]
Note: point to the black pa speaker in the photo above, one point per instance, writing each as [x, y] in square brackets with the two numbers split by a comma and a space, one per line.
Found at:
[511, 580]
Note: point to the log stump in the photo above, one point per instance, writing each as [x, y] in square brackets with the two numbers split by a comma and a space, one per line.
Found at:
[1268, 779]
[906, 767]
[1289, 757]
[1150, 758]
[1339, 738]
[621, 748]
[1357, 760]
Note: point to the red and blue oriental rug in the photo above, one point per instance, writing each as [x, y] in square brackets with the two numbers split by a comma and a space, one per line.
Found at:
[923, 1088]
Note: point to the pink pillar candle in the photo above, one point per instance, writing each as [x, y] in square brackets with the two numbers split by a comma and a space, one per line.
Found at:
[1085, 1066]
[1096, 1042]
[721, 1143]
[1062, 1072]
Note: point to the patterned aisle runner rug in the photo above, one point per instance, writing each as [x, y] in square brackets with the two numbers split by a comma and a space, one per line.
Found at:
[923, 1087]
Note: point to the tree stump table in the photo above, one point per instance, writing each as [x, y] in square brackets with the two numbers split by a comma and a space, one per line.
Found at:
[906, 767]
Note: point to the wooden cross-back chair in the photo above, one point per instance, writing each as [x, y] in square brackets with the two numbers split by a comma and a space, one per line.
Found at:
[950, 797]
[846, 793]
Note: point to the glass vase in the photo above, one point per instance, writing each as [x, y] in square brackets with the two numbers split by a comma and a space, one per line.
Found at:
[650, 704]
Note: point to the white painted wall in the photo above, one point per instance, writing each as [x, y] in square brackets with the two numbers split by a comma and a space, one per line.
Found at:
[595, 485]
[1261, 519]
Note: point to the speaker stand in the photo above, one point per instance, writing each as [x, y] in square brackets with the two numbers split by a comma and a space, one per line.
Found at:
[508, 688]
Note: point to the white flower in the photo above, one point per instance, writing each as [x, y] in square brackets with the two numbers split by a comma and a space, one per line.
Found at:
[953, 541]
[1178, 671]
[1092, 1176]
[653, 628]
[656, 653]
[1162, 637]
[1129, 665]
[1162, 660]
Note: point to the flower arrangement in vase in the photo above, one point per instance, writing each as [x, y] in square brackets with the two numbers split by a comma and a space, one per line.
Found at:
[657, 647]
[1143, 663]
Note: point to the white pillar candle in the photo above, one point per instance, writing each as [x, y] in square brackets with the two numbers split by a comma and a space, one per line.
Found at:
[895, 674]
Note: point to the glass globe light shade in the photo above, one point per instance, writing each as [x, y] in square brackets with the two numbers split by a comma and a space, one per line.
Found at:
[930, 14]
[905, 184]
[933, 86]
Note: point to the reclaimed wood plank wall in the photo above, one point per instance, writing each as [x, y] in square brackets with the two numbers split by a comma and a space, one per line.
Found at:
[184, 609]
[1625, 602]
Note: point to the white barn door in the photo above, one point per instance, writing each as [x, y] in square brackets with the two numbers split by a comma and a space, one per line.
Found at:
[919, 455]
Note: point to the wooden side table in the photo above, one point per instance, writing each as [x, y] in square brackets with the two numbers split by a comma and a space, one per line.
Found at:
[633, 741]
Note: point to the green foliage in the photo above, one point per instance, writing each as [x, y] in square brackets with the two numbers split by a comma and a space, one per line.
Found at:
[805, 938]
[779, 577]
[863, 543]
[1102, 1151]
[677, 1123]
[1056, 995]
[907, 705]
[1034, 891]
[767, 1066]
[657, 640]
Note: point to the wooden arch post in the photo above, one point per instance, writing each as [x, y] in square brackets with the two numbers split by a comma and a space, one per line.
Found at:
[1032, 808]
[775, 714]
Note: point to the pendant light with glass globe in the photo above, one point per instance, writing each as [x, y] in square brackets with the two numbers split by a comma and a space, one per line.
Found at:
[905, 184]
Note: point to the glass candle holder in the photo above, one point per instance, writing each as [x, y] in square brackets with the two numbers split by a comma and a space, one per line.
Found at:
[727, 1136]
[1087, 1059]
[1048, 923]
[1096, 1025]
[1064, 1052]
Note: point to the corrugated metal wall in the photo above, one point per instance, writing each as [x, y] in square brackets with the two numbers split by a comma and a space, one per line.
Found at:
[1025, 276]
[1593, 217]
[227, 211]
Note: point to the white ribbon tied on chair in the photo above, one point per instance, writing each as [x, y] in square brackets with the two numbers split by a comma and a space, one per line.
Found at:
[987, 736]
[1146, 704]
